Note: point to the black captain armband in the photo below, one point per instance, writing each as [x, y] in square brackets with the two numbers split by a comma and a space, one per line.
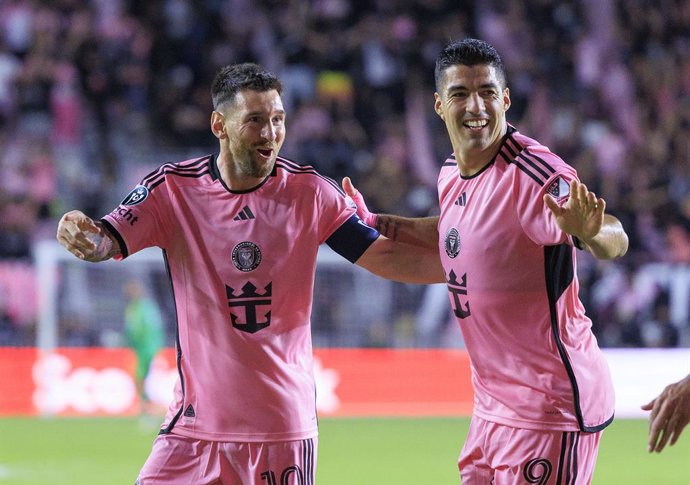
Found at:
[352, 238]
[578, 244]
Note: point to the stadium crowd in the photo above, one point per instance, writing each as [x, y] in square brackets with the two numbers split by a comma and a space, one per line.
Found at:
[95, 93]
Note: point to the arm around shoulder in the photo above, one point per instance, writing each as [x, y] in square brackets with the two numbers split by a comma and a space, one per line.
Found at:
[406, 263]
[418, 231]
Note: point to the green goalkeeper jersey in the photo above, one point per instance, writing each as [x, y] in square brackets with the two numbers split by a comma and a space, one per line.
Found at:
[143, 326]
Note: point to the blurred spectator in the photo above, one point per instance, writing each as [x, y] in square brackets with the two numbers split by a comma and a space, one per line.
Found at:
[658, 331]
[89, 89]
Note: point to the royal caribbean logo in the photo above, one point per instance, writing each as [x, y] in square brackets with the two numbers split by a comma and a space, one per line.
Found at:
[136, 196]
[452, 242]
[246, 256]
[250, 299]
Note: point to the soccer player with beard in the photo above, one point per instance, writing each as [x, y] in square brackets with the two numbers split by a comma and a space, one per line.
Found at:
[240, 231]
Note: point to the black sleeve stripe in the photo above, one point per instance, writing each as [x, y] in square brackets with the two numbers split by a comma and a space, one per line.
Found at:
[308, 170]
[543, 162]
[294, 164]
[155, 184]
[111, 229]
[532, 164]
[512, 147]
[182, 166]
[155, 179]
[528, 172]
[352, 239]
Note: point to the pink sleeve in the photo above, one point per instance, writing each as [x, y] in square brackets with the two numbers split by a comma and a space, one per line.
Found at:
[535, 217]
[140, 219]
[334, 208]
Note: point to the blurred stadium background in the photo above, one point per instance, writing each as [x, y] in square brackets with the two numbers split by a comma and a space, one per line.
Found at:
[95, 94]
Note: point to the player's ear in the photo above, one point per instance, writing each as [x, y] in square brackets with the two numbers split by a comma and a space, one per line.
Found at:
[438, 106]
[218, 124]
[506, 99]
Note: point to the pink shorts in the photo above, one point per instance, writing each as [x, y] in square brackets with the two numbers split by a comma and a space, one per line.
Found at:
[178, 460]
[495, 454]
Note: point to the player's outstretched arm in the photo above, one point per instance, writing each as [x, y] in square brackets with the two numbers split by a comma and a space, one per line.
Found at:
[397, 261]
[419, 231]
[670, 414]
[86, 238]
[584, 217]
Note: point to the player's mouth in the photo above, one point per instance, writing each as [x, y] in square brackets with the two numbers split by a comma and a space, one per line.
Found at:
[265, 152]
[475, 125]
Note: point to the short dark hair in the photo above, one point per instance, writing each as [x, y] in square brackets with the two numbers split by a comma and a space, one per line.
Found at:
[234, 78]
[468, 52]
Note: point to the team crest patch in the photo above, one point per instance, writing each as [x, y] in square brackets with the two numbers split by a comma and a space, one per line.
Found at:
[136, 196]
[452, 242]
[246, 256]
[559, 189]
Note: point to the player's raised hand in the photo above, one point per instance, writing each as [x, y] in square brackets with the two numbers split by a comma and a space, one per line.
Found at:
[81, 236]
[362, 211]
[670, 413]
[582, 215]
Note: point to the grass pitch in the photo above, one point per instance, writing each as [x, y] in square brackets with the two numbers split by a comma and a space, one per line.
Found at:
[109, 451]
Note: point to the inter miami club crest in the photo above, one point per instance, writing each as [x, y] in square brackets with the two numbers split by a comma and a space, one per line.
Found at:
[452, 242]
[246, 256]
[136, 196]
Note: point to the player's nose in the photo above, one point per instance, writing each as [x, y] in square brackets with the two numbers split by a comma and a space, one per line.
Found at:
[475, 104]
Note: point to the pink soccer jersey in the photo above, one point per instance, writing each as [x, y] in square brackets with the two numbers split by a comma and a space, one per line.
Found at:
[242, 268]
[511, 276]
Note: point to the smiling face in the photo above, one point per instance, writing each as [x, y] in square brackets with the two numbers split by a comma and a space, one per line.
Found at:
[473, 102]
[251, 131]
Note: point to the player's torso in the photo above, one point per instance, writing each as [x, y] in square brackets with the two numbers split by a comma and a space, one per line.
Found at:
[530, 351]
[496, 285]
[482, 243]
[250, 247]
[242, 268]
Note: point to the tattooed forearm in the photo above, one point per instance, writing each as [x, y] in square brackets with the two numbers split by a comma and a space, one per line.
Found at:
[387, 226]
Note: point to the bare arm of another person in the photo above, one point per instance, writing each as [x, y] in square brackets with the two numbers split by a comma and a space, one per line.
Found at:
[583, 217]
[670, 414]
[418, 231]
[85, 238]
[397, 261]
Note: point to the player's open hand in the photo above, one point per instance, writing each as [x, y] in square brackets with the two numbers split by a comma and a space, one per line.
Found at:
[362, 210]
[582, 215]
[81, 236]
[670, 413]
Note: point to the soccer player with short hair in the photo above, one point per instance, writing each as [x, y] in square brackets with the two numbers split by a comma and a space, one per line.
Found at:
[511, 215]
[240, 231]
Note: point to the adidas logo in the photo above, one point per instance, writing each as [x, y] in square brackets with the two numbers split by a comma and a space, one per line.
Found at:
[462, 200]
[189, 412]
[245, 214]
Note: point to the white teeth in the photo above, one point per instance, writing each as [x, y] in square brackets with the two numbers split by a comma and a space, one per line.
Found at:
[476, 123]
